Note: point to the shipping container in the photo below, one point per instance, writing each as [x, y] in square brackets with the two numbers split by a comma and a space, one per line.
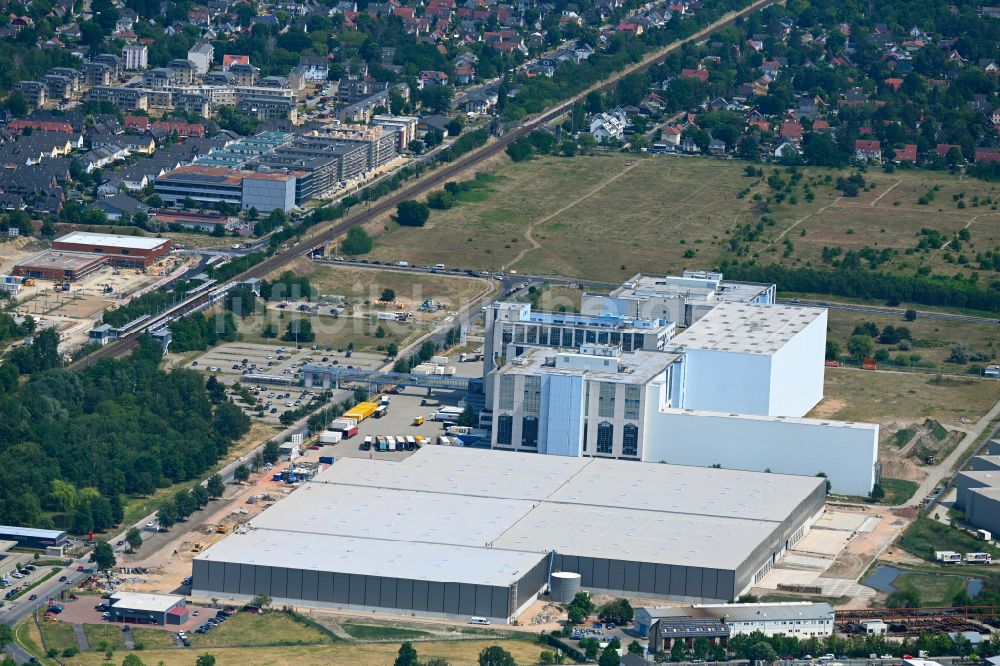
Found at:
[390, 443]
[361, 411]
[326, 460]
[330, 437]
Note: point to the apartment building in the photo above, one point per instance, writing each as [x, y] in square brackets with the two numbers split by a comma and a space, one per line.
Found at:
[202, 54]
[405, 126]
[127, 99]
[97, 74]
[244, 189]
[135, 56]
[35, 92]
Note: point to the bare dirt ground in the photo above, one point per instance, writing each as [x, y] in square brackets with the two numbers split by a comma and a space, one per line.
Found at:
[864, 547]
[168, 555]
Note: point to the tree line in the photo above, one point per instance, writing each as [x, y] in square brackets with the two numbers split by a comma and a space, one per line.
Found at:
[72, 445]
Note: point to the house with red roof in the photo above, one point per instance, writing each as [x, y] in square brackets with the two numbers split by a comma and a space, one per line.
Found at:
[908, 153]
[791, 130]
[942, 148]
[700, 73]
[868, 150]
[987, 156]
[894, 83]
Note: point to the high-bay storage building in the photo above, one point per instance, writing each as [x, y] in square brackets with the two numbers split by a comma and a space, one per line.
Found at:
[455, 532]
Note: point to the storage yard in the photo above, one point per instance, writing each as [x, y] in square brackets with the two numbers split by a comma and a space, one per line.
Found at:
[456, 532]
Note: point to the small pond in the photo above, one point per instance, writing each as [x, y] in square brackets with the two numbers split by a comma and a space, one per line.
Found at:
[883, 577]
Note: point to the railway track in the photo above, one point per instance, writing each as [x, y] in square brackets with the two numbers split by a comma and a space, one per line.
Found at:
[435, 179]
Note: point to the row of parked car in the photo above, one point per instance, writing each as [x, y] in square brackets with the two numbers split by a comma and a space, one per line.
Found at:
[219, 618]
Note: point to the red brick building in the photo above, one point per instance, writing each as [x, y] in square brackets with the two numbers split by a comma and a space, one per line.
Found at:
[127, 251]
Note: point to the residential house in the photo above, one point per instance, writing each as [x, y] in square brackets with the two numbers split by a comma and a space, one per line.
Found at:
[791, 130]
[908, 153]
[787, 150]
[118, 206]
[608, 126]
[867, 150]
[987, 156]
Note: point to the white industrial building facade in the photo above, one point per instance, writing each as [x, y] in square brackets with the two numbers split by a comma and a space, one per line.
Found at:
[730, 389]
[456, 532]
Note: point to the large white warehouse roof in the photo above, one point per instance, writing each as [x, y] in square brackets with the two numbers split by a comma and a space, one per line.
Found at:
[748, 328]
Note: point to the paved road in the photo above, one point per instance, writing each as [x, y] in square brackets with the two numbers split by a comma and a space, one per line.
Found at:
[875, 309]
[943, 471]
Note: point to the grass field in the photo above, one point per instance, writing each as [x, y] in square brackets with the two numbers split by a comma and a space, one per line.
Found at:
[26, 635]
[153, 639]
[884, 395]
[370, 632]
[361, 284]
[933, 589]
[58, 635]
[663, 214]
[925, 536]
[932, 338]
[337, 332]
[103, 637]
[249, 630]
[355, 654]
[898, 491]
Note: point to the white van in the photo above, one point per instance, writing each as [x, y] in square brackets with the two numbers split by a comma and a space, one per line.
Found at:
[403, 264]
[479, 620]
[439, 267]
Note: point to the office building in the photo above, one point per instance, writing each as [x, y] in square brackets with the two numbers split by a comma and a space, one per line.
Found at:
[246, 189]
[664, 625]
[30, 537]
[60, 266]
[141, 608]
[455, 532]
[127, 251]
[738, 380]
[681, 300]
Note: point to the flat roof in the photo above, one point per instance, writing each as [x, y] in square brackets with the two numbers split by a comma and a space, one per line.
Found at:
[31, 532]
[748, 328]
[789, 610]
[703, 491]
[693, 286]
[373, 557]
[636, 367]
[428, 517]
[63, 261]
[113, 240]
[464, 504]
[141, 601]
[461, 471]
[642, 536]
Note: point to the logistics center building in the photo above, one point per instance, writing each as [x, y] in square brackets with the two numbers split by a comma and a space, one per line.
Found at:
[456, 532]
[124, 251]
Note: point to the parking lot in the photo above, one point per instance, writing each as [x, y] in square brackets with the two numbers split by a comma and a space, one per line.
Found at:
[228, 362]
[403, 408]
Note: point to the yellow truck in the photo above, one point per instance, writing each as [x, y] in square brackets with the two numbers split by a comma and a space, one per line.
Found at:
[418, 420]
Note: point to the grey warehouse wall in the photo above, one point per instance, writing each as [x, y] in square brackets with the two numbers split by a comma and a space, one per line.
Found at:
[983, 512]
[327, 588]
[665, 580]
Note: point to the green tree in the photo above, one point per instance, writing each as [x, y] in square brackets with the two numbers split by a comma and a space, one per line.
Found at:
[6, 636]
[609, 657]
[271, 451]
[200, 495]
[860, 347]
[407, 656]
[205, 660]
[132, 660]
[134, 538]
[262, 601]
[635, 647]
[392, 350]
[411, 213]
[832, 350]
[299, 331]
[679, 651]
[216, 487]
[241, 473]
[357, 242]
[911, 315]
[496, 656]
[762, 652]
[468, 418]
[590, 648]
[387, 295]
[618, 611]
[167, 515]
[16, 105]
[104, 556]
